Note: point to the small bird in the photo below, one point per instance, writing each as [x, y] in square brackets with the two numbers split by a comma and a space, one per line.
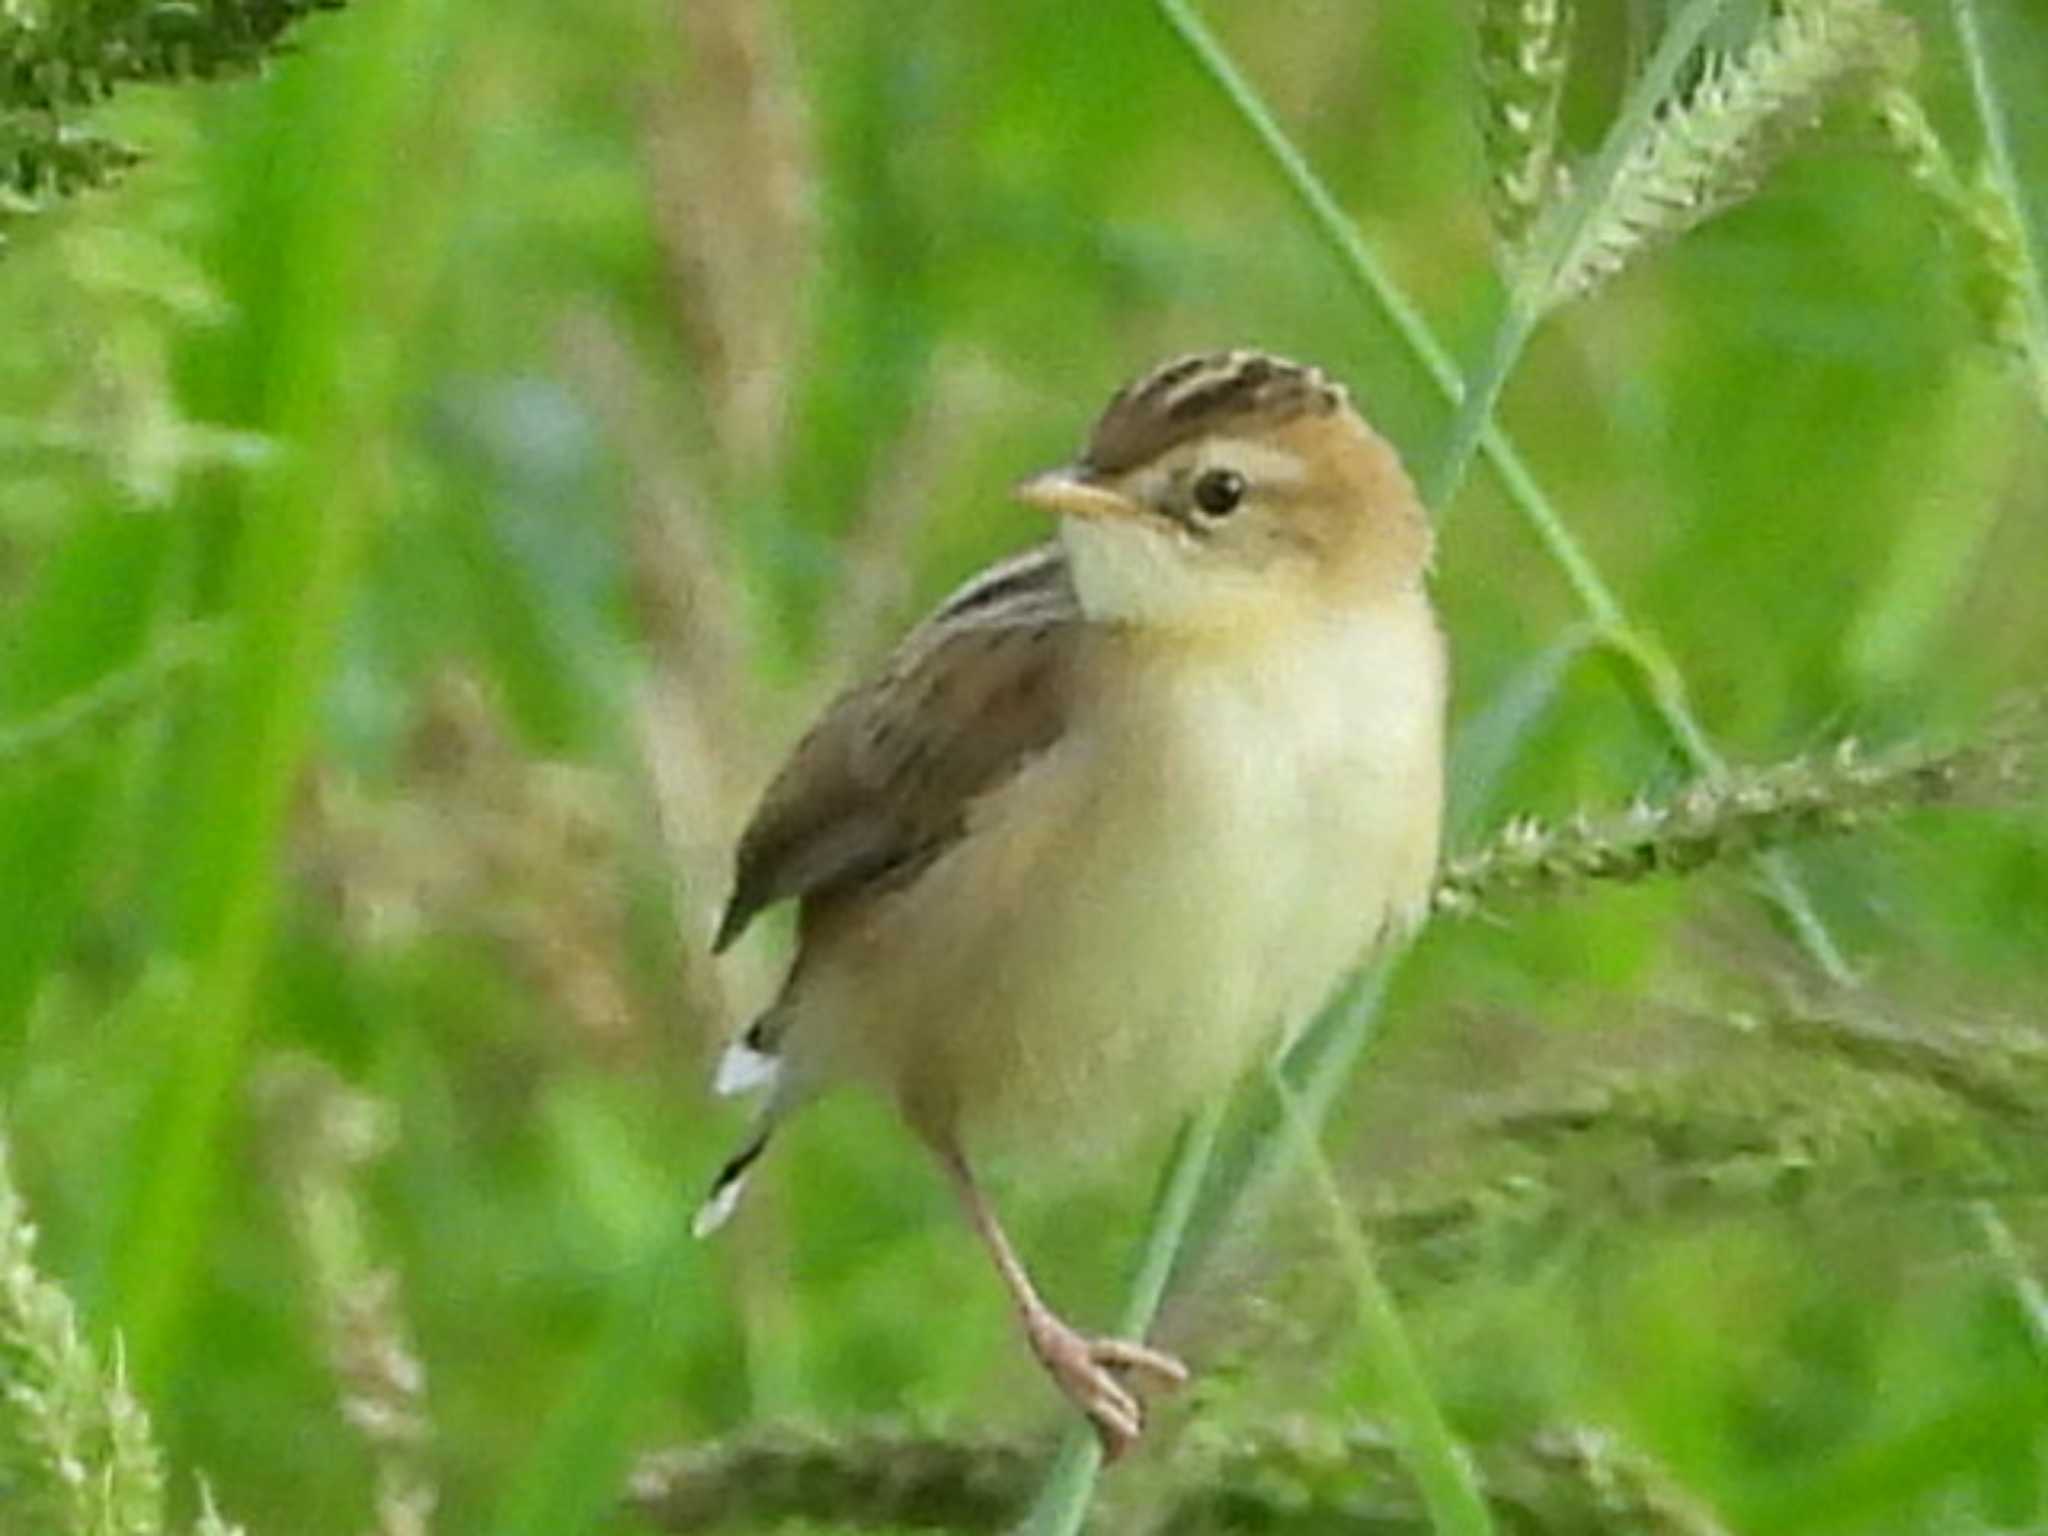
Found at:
[1112, 822]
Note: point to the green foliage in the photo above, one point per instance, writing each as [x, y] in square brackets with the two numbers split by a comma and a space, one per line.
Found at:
[61, 57]
[56, 55]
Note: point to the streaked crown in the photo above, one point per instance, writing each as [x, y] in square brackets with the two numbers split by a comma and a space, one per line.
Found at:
[1187, 397]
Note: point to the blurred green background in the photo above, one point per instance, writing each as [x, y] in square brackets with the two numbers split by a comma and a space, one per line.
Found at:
[440, 481]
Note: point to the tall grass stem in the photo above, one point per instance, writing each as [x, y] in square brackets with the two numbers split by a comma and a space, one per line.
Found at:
[1434, 1458]
[1063, 1501]
[1339, 1038]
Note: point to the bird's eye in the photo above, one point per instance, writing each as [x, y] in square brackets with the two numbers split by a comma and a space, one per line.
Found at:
[1219, 491]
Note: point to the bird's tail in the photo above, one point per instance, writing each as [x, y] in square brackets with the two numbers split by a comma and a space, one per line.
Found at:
[731, 1183]
[751, 1062]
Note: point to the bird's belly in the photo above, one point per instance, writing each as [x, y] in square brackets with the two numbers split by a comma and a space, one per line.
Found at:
[1137, 916]
[1126, 989]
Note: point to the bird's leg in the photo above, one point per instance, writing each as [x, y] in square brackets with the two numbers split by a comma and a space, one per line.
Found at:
[1084, 1368]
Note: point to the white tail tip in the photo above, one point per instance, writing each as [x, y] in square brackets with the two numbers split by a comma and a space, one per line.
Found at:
[742, 1069]
[731, 1180]
[718, 1209]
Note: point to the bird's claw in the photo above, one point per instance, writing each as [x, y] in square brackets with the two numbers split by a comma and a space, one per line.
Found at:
[1091, 1370]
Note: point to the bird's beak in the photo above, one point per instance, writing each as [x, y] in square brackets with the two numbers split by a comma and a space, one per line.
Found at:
[1068, 492]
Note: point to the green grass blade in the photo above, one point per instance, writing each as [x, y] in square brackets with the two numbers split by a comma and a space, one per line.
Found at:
[321, 385]
[576, 1469]
[1435, 1459]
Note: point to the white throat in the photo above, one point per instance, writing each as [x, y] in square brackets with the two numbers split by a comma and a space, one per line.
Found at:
[1130, 574]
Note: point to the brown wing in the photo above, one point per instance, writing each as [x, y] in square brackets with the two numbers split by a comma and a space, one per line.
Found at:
[881, 784]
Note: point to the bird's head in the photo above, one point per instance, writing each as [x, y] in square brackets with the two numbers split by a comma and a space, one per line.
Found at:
[1228, 488]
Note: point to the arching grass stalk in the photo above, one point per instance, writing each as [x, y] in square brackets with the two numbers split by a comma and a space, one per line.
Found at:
[1334, 1044]
[1652, 680]
[1450, 1491]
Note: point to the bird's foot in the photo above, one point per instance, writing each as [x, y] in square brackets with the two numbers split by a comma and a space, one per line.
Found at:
[1093, 1371]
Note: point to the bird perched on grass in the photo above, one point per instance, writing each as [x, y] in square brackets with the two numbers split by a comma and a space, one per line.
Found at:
[1112, 822]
